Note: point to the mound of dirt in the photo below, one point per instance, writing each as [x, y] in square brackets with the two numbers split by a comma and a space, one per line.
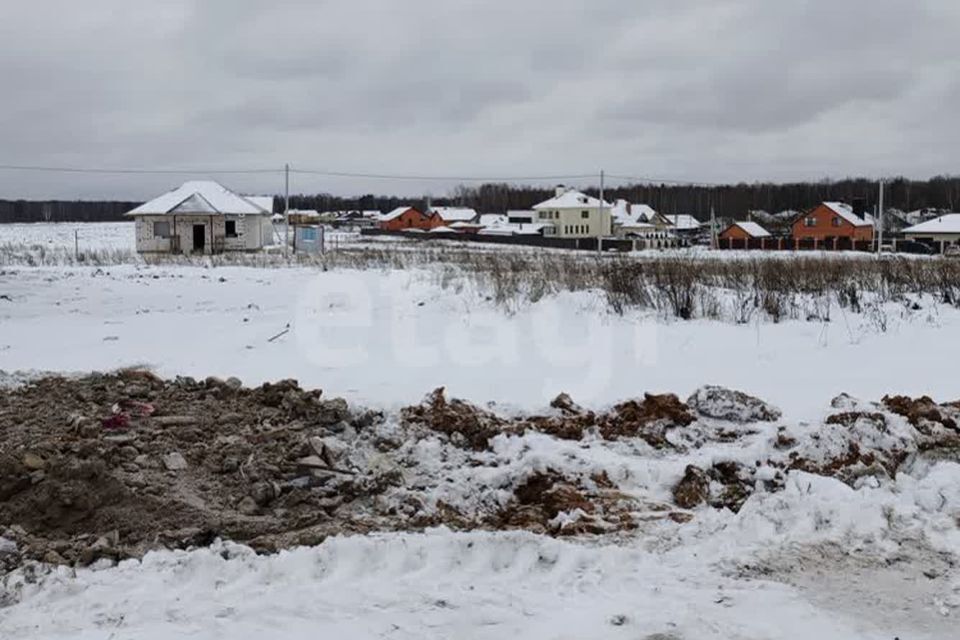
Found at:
[456, 418]
[548, 502]
[113, 465]
[923, 413]
[727, 404]
[109, 466]
[725, 484]
[648, 419]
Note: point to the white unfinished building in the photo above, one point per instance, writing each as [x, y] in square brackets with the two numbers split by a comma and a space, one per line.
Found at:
[203, 217]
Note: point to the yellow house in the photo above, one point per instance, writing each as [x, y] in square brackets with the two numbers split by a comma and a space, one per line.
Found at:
[575, 215]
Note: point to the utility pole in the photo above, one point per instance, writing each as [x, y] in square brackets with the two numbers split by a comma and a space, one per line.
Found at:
[286, 208]
[600, 217]
[713, 227]
[880, 219]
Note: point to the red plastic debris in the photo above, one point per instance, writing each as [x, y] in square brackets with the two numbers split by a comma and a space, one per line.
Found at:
[118, 421]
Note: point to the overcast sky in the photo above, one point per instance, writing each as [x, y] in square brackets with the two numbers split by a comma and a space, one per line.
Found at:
[705, 90]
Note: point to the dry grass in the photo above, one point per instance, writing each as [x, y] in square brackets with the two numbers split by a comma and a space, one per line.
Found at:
[771, 288]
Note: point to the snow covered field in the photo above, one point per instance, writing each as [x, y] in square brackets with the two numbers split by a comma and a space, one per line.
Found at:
[816, 560]
[387, 338]
[484, 586]
[91, 236]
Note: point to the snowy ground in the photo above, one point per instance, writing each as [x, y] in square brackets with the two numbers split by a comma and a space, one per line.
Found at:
[817, 560]
[442, 585]
[387, 338]
[89, 236]
[119, 236]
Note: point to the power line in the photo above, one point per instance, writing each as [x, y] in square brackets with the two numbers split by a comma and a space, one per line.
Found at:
[349, 174]
[688, 183]
[100, 170]
[384, 176]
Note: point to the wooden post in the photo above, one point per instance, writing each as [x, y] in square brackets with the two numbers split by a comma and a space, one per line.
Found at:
[76, 244]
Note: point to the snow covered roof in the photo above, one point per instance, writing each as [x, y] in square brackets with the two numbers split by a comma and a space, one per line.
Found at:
[571, 199]
[515, 229]
[441, 229]
[487, 219]
[638, 225]
[202, 196]
[310, 213]
[455, 214]
[643, 211]
[949, 223]
[845, 211]
[396, 213]
[683, 222]
[626, 214]
[464, 225]
[753, 229]
[264, 202]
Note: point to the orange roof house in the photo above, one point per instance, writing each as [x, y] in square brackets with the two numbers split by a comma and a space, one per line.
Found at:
[744, 231]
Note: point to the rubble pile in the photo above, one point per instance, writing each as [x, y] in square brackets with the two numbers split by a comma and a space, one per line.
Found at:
[548, 502]
[113, 465]
[108, 466]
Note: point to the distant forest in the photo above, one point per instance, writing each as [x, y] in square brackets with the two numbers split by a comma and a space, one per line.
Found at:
[731, 201]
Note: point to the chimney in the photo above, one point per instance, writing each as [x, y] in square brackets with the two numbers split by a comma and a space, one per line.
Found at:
[859, 206]
[560, 190]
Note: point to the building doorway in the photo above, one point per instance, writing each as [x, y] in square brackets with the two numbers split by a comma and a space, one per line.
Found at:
[199, 238]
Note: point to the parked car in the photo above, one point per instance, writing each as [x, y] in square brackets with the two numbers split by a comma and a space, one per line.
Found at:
[953, 251]
[913, 246]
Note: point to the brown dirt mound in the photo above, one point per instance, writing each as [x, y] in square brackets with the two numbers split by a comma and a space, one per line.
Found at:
[920, 412]
[455, 418]
[113, 465]
[734, 482]
[850, 418]
[542, 497]
[649, 419]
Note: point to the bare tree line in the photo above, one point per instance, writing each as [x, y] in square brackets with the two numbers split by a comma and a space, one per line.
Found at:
[734, 201]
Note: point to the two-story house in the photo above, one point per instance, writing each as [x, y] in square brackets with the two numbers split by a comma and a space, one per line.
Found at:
[575, 215]
[832, 220]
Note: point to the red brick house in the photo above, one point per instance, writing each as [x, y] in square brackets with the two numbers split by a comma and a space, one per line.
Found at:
[403, 218]
[744, 231]
[831, 220]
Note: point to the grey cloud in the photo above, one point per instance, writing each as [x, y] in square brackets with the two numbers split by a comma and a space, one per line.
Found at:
[707, 89]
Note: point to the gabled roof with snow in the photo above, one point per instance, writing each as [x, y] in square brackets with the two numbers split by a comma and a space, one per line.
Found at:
[455, 214]
[643, 211]
[264, 202]
[753, 229]
[683, 222]
[204, 197]
[845, 211]
[571, 199]
[487, 219]
[949, 223]
[626, 214]
[396, 213]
